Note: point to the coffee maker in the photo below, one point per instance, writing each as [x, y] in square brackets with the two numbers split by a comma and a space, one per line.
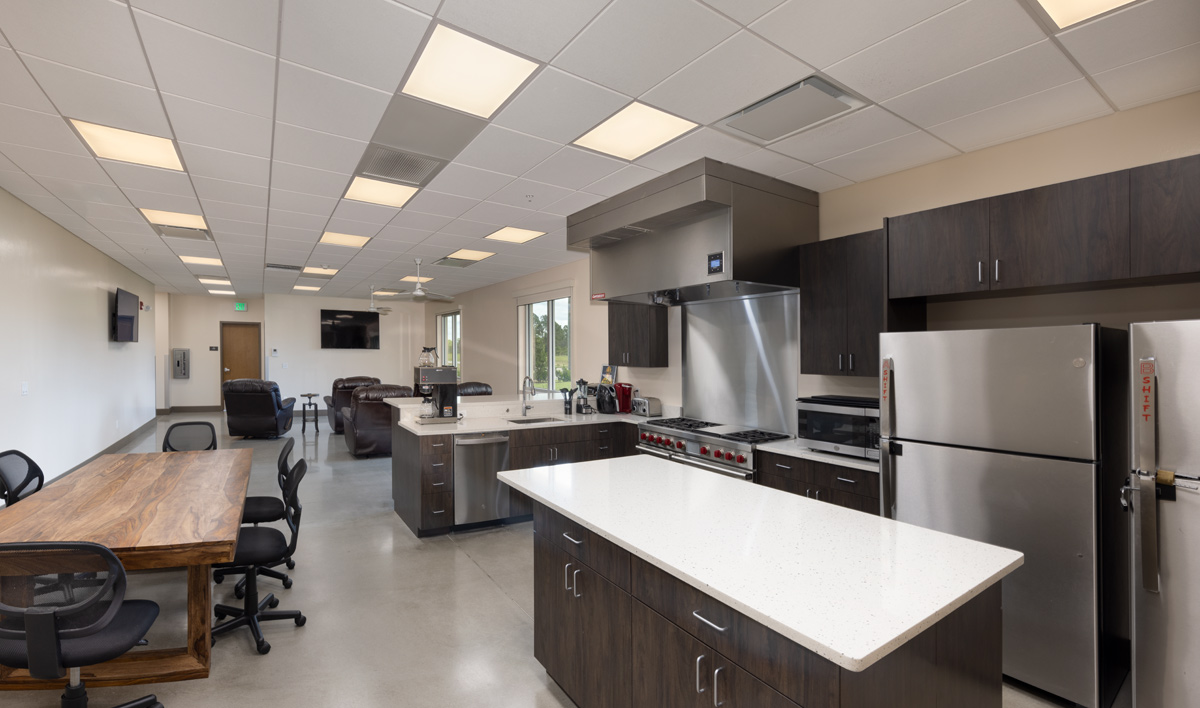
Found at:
[439, 384]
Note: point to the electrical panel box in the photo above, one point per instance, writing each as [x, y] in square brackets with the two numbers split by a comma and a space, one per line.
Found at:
[182, 365]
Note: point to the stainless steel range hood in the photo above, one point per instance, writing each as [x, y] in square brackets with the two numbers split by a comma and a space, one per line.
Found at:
[707, 230]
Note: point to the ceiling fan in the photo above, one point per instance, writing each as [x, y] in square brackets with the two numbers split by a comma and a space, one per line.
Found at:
[381, 309]
[419, 293]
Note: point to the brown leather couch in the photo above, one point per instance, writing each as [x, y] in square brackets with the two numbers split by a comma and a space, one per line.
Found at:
[254, 408]
[474, 388]
[342, 388]
[369, 420]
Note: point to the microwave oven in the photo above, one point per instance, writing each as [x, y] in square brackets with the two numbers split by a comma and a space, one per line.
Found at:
[846, 425]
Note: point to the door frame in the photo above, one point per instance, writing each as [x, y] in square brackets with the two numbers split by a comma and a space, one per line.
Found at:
[221, 358]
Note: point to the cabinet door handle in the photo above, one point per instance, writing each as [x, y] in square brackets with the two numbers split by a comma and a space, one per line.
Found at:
[997, 270]
[717, 702]
[438, 464]
[699, 688]
[439, 484]
[437, 444]
[839, 362]
[808, 493]
[847, 481]
[818, 493]
[980, 271]
[710, 624]
[783, 467]
[604, 448]
[852, 362]
[567, 576]
[603, 431]
[443, 511]
[568, 537]
[575, 582]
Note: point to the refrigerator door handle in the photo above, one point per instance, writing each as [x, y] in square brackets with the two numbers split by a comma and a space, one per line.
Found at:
[1145, 476]
[886, 387]
[1145, 527]
[887, 481]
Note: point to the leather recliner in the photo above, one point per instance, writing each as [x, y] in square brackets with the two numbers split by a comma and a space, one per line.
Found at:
[474, 388]
[342, 388]
[369, 419]
[254, 408]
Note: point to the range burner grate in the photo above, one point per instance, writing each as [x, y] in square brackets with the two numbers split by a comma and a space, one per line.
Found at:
[682, 424]
[754, 436]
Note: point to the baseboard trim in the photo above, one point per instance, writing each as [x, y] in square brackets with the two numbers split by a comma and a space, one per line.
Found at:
[148, 425]
[191, 409]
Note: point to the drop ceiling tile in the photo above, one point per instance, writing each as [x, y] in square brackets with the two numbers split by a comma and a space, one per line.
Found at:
[308, 180]
[634, 45]
[1136, 32]
[506, 151]
[236, 228]
[573, 168]
[704, 142]
[361, 211]
[213, 126]
[221, 164]
[768, 162]
[20, 184]
[205, 68]
[420, 221]
[46, 203]
[121, 218]
[452, 241]
[498, 214]
[430, 202]
[99, 99]
[572, 203]
[528, 194]
[370, 42]
[296, 236]
[744, 11]
[560, 107]
[235, 212]
[39, 130]
[625, 178]
[84, 191]
[466, 181]
[739, 72]
[964, 36]
[233, 192]
[303, 203]
[19, 87]
[311, 99]
[467, 228]
[858, 130]
[297, 220]
[151, 179]
[823, 33]
[537, 28]
[47, 163]
[398, 234]
[893, 156]
[1027, 71]
[311, 148]
[96, 35]
[1170, 74]
[163, 202]
[542, 221]
[250, 24]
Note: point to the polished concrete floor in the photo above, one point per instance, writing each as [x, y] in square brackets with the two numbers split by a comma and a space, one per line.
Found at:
[392, 620]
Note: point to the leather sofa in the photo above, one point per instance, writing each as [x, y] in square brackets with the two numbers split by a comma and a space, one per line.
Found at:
[369, 420]
[342, 388]
[254, 408]
[474, 388]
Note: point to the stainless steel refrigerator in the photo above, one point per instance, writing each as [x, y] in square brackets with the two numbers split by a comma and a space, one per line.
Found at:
[1165, 416]
[1017, 437]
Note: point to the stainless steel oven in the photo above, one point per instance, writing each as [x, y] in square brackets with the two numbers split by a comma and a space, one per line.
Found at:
[846, 425]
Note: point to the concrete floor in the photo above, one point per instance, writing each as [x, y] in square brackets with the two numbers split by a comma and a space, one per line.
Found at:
[392, 620]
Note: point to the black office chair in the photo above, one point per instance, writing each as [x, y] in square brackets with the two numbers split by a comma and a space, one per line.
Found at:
[260, 546]
[262, 510]
[19, 476]
[83, 623]
[190, 436]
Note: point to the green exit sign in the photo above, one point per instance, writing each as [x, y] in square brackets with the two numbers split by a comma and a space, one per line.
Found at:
[239, 306]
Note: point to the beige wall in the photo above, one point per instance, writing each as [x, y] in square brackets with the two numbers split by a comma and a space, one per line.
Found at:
[195, 324]
[85, 392]
[163, 364]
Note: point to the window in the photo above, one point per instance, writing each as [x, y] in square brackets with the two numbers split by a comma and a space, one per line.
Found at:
[449, 329]
[546, 343]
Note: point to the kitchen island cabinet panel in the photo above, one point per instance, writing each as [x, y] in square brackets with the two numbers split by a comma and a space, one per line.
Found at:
[554, 629]
[1165, 218]
[940, 251]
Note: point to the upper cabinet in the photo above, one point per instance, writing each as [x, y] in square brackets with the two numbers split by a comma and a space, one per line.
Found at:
[939, 251]
[637, 334]
[1165, 218]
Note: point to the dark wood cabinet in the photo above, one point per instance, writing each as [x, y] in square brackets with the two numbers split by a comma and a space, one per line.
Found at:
[1165, 218]
[847, 487]
[1071, 232]
[422, 479]
[843, 304]
[637, 335]
[940, 251]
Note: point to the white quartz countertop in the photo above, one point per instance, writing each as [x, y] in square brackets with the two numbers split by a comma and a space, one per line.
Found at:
[847, 585]
[796, 448]
[494, 413]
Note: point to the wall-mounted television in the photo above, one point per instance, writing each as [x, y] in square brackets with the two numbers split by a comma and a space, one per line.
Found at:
[348, 329]
[126, 307]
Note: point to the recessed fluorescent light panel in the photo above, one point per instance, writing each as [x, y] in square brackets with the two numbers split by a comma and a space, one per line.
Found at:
[466, 254]
[466, 74]
[634, 131]
[415, 279]
[214, 281]
[385, 293]
[128, 146]
[201, 260]
[305, 287]
[511, 234]
[174, 218]
[313, 270]
[1069, 12]
[336, 239]
[375, 191]
[221, 292]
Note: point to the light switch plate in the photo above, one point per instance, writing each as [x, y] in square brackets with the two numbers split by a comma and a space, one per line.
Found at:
[24, 388]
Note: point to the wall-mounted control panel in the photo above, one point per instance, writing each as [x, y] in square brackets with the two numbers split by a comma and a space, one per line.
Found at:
[181, 367]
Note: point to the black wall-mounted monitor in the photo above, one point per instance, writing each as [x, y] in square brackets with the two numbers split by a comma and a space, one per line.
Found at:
[348, 329]
[126, 307]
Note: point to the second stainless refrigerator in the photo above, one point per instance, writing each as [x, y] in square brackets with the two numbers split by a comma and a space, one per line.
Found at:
[1015, 437]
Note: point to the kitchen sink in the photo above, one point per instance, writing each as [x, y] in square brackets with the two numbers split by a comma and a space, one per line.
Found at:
[527, 421]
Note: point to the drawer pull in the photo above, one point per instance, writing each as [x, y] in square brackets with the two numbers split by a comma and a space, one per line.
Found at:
[437, 444]
[604, 431]
[575, 583]
[443, 511]
[699, 689]
[847, 481]
[566, 576]
[605, 447]
[439, 484]
[783, 467]
[568, 537]
[710, 624]
[438, 464]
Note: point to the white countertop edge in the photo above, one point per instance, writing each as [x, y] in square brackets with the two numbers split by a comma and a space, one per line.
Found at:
[851, 663]
[796, 448]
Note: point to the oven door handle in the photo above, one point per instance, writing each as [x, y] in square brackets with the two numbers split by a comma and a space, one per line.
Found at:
[657, 453]
[736, 474]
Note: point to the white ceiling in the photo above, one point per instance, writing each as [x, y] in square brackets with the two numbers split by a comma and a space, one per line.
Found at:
[272, 103]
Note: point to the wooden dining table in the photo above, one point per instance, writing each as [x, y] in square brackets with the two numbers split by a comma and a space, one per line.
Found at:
[155, 511]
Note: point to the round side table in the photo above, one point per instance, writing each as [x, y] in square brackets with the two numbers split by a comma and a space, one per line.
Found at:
[304, 413]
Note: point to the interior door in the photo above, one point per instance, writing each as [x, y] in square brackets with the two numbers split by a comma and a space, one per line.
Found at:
[241, 353]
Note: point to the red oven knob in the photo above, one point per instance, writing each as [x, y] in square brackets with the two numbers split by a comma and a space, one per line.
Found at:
[644, 436]
[741, 458]
[667, 442]
[729, 456]
[703, 450]
[680, 445]
[658, 439]
[717, 454]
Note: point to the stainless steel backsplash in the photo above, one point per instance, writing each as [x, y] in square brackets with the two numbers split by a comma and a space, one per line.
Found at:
[740, 361]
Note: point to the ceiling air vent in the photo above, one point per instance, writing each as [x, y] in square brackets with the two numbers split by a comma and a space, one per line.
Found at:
[391, 165]
[182, 232]
[454, 262]
[281, 266]
[796, 108]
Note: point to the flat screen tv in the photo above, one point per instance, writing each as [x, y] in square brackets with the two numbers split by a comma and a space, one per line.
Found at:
[126, 306]
[347, 329]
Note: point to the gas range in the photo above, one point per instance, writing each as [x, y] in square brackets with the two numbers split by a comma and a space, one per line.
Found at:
[728, 449]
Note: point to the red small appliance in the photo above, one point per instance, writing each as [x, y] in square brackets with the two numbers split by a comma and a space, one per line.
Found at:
[624, 397]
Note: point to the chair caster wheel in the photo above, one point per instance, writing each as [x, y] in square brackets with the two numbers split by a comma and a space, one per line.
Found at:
[291, 564]
[301, 620]
[263, 647]
[239, 594]
[287, 584]
[220, 616]
[273, 603]
[218, 579]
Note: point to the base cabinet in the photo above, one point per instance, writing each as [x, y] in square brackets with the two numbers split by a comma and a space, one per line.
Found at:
[842, 486]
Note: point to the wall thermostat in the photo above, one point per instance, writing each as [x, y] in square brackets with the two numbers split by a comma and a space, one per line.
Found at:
[716, 263]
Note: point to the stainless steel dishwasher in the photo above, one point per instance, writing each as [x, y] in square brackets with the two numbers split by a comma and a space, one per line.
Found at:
[478, 495]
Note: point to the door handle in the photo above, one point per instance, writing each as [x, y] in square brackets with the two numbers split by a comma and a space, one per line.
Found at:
[839, 362]
[575, 582]
[980, 274]
[852, 362]
[997, 270]
[717, 702]
[566, 576]
[438, 484]
[699, 688]
[1145, 476]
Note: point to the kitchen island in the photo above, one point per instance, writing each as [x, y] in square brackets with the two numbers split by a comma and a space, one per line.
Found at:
[661, 585]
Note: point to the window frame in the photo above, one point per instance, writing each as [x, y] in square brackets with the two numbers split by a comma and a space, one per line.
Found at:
[527, 349]
[442, 320]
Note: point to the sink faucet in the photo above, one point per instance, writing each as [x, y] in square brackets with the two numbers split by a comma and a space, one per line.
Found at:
[527, 388]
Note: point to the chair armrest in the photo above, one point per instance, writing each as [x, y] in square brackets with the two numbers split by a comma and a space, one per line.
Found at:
[329, 401]
[287, 403]
[346, 414]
